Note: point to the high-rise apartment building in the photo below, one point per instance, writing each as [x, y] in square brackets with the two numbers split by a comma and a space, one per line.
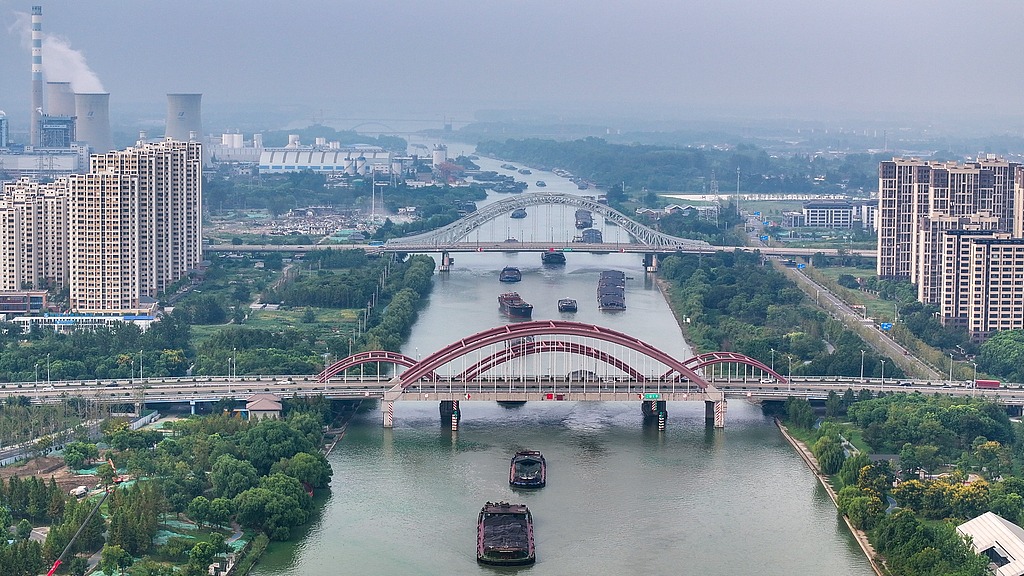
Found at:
[134, 225]
[920, 201]
[982, 281]
[33, 226]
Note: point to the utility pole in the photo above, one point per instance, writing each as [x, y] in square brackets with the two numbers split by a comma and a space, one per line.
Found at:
[861, 366]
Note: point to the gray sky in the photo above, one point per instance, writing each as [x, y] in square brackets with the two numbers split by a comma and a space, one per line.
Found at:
[811, 59]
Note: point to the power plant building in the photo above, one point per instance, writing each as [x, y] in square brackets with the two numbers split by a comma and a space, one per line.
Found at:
[93, 121]
[332, 159]
[184, 117]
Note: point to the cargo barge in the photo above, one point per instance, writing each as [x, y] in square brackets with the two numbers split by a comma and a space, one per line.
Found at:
[611, 290]
[552, 258]
[528, 470]
[584, 219]
[510, 274]
[504, 535]
[513, 305]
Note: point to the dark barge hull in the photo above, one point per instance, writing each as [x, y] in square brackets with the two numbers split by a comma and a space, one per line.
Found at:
[504, 535]
[532, 460]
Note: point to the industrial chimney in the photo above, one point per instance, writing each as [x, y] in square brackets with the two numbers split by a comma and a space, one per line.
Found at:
[37, 74]
[93, 124]
[60, 99]
[184, 116]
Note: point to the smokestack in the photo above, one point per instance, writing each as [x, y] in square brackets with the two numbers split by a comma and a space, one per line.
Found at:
[60, 99]
[184, 116]
[37, 74]
[93, 124]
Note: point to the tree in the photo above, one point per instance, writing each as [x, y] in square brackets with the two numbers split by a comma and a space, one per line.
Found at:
[231, 476]
[199, 510]
[202, 554]
[114, 559]
[311, 469]
[24, 529]
[6, 521]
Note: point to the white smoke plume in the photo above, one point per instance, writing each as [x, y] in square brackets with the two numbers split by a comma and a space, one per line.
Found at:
[61, 62]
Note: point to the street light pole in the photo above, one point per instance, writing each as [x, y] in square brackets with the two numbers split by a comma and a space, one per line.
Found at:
[773, 359]
[883, 374]
[47, 368]
[950, 367]
[141, 377]
[789, 380]
[861, 366]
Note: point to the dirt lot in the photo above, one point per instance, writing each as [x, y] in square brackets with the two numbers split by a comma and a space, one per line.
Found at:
[47, 466]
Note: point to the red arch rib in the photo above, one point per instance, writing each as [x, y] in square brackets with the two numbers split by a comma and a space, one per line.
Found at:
[369, 357]
[708, 358]
[519, 350]
[512, 332]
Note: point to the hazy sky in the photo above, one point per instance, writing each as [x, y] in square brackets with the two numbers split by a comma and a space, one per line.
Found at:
[675, 58]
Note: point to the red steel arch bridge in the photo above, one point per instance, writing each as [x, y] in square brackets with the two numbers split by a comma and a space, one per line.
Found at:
[551, 360]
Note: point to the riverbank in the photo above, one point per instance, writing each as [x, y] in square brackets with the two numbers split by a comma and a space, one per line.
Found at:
[812, 464]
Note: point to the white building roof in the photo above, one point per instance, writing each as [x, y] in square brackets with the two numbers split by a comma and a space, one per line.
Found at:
[997, 538]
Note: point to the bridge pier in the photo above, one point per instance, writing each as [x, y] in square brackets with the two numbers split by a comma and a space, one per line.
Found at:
[655, 410]
[446, 262]
[388, 409]
[714, 412]
[450, 411]
[651, 262]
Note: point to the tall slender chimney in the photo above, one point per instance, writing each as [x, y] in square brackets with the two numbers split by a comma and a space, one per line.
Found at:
[60, 99]
[184, 116]
[93, 124]
[37, 74]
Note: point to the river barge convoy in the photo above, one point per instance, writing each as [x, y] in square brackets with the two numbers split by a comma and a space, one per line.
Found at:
[510, 274]
[611, 290]
[552, 258]
[567, 305]
[511, 304]
[504, 535]
[528, 470]
[584, 219]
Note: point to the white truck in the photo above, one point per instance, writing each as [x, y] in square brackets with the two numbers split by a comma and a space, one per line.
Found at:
[79, 492]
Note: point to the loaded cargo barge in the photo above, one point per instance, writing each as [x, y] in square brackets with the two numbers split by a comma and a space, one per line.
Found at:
[528, 470]
[504, 535]
[513, 305]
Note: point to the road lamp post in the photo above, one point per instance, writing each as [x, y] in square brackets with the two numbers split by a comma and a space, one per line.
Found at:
[141, 377]
[773, 359]
[861, 366]
[883, 374]
[327, 358]
[789, 379]
[37, 373]
[975, 364]
[47, 368]
[950, 367]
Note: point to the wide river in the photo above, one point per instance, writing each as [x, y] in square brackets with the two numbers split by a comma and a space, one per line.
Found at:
[621, 498]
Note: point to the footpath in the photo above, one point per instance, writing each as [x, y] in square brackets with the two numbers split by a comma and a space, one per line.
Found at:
[812, 463]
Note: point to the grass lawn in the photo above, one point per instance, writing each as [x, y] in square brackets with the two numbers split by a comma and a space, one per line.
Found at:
[876, 307]
[342, 319]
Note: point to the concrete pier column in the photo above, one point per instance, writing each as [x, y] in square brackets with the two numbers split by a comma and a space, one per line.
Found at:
[651, 262]
[388, 409]
[662, 414]
[720, 408]
[192, 407]
[446, 262]
[456, 415]
[709, 412]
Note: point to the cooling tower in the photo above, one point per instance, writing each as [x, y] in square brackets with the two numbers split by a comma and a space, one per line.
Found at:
[183, 116]
[37, 74]
[60, 99]
[93, 124]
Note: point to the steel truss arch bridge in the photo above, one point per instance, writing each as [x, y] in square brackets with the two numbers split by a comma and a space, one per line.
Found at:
[494, 365]
[450, 235]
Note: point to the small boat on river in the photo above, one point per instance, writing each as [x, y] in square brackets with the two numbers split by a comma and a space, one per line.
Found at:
[552, 258]
[510, 274]
[567, 305]
[504, 535]
[512, 305]
[528, 470]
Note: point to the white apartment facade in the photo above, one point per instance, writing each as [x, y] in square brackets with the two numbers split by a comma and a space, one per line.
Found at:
[983, 282]
[33, 226]
[134, 226]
